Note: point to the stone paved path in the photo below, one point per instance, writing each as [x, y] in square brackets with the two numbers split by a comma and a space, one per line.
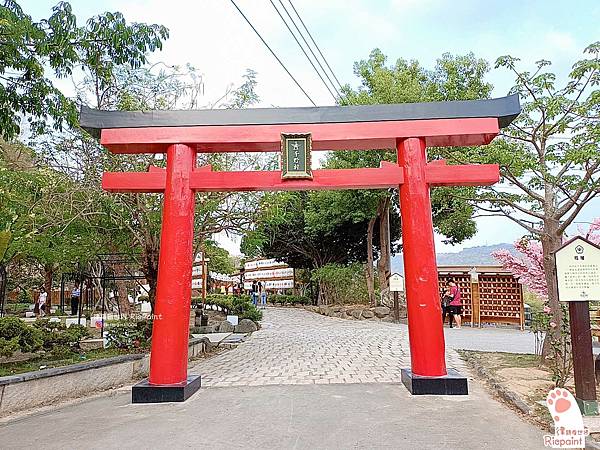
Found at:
[296, 346]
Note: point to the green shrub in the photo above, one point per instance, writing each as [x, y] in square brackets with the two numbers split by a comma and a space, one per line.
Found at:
[55, 334]
[240, 306]
[61, 351]
[8, 346]
[289, 300]
[128, 334]
[252, 314]
[17, 308]
[342, 284]
[29, 338]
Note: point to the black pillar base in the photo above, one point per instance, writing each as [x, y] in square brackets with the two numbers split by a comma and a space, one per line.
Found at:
[452, 384]
[144, 392]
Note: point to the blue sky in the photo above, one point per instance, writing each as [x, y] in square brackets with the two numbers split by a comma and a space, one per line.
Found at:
[212, 36]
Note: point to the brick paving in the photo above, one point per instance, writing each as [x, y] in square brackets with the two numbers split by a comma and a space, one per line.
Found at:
[296, 346]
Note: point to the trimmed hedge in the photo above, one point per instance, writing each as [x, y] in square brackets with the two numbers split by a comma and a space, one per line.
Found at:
[288, 300]
[240, 306]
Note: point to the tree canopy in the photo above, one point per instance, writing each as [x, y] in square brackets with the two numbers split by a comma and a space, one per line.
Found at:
[27, 48]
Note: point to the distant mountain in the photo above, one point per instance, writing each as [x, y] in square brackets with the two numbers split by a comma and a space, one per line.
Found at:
[475, 256]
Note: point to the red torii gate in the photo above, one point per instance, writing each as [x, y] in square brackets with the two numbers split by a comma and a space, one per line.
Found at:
[409, 128]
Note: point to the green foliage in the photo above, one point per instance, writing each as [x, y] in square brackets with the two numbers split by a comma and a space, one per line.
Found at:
[220, 259]
[240, 306]
[29, 339]
[129, 334]
[27, 48]
[309, 230]
[9, 346]
[342, 284]
[287, 229]
[56, 334]
[288, 300]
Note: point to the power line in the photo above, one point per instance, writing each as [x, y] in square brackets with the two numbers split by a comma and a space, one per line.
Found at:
[273, 53]
[302, 48]
[309, 48]
[313, 41]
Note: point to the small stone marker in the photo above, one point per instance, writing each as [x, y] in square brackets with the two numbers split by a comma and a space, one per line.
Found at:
[578, 281]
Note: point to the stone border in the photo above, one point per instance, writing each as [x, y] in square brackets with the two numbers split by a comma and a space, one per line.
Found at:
[33, 389]
[506, 394]
[358, 312]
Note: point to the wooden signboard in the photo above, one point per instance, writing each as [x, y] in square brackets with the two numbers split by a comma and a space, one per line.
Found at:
[578, 271]
[396, 283]
[578, 280]
[295, 156]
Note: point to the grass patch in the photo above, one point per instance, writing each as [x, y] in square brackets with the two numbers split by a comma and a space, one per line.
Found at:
[494, 361]
[48, 361]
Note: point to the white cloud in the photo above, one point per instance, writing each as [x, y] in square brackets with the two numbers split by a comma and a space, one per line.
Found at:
[561, 41]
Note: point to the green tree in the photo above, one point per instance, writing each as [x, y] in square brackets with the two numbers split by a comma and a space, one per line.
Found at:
[131, 223]
[453, 78]
[27, 48]
[549, 157]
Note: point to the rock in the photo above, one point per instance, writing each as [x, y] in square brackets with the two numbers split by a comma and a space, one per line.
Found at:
[343, 315]
[367, 314]
[324, 310]
[381, 311]
[226, 327]
[356, 313]
[337, 309]
[388, 319]
[246, 326]
[204, 330]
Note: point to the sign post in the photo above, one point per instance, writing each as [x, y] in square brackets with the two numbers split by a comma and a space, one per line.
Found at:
[396, 286]
[578, 278]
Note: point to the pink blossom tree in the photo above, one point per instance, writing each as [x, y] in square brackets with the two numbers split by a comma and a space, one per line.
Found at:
[528, 265]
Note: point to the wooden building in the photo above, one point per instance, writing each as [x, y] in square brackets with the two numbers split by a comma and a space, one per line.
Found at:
[490, 294]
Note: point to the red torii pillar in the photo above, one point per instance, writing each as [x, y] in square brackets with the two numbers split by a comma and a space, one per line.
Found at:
[425, 328]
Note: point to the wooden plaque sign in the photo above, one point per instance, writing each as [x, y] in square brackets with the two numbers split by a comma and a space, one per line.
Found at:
[578, 271]
[295, 156]
[396, 283]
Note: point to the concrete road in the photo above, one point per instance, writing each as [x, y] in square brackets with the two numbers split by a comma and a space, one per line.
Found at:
[333, 416]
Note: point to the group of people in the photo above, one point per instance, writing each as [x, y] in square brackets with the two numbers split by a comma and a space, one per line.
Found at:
[41, 304]
[452, 304]
[259, 291]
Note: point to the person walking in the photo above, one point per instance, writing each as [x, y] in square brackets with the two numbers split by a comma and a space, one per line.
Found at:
[446, 299]
[455, 303]
[254, 293]
[263, 298]
[75, 296]
[42, 301]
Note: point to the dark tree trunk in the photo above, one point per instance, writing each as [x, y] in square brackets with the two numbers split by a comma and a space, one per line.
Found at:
[383, 264]
[3, 279]
[369, 269]
[150, 269]
[124, 306]
[48, 278]
[551, 241]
